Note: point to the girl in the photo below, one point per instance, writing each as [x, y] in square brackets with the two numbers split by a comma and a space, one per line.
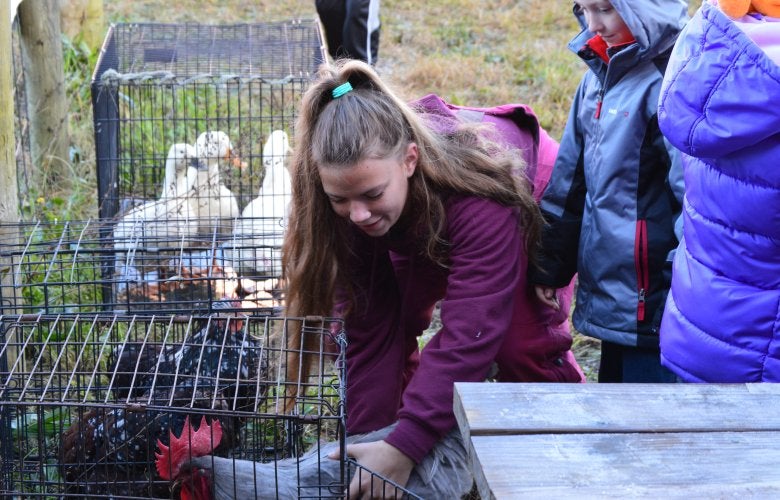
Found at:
[393, 211]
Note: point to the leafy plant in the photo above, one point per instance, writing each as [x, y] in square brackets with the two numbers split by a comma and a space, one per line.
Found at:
[78, 60]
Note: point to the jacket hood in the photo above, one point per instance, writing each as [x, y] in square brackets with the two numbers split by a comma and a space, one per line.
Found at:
[654, 24]
[721, 91]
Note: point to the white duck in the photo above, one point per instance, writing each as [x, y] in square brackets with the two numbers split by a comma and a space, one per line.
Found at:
[215, 205]
[259, 233]
[164, 223]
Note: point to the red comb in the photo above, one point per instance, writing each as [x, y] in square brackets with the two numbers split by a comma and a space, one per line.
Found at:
[191, 444]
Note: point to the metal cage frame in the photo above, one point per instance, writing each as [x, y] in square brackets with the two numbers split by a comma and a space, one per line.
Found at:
[155, 84]
[61, 374]
[75, 267]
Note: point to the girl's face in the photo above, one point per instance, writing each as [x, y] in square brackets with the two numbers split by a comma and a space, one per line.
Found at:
[372, 193]
[604, 20]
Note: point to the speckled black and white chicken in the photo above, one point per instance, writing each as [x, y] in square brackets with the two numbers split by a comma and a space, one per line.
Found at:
[220, 356]
[215, 372]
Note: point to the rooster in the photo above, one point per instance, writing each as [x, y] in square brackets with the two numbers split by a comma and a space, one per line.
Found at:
[197, 474]
[218, 369]
[110, 448]
[220, 357]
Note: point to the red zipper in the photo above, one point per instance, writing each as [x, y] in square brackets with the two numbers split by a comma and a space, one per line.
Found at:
[598, 104]
[640, 261]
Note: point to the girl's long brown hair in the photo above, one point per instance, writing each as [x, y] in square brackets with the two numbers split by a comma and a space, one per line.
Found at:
[370, 121]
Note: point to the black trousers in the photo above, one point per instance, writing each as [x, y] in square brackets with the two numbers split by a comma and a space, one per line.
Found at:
[351, 28]
[620, 363]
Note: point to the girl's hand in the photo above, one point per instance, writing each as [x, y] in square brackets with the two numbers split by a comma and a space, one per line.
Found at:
[547, 296]
[383, 459]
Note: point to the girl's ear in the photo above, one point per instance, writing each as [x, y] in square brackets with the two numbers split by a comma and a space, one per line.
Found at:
[410, 159]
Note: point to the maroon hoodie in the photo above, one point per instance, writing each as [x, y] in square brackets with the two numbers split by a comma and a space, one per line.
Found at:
[488, 312]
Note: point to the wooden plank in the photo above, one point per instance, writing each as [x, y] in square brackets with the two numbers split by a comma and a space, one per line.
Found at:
[666, 465]
[486, 409]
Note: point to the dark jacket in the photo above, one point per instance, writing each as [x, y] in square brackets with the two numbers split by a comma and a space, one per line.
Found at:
[616, 188]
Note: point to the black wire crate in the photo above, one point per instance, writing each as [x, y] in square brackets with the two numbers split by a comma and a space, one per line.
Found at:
[193, 126]
[76, 267]
[89, 403]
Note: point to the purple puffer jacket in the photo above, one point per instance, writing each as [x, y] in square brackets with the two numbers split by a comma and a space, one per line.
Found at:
[720, 104]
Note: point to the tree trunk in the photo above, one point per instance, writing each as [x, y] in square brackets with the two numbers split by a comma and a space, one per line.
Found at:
[84, 17]
[9, 196]
[45, 86]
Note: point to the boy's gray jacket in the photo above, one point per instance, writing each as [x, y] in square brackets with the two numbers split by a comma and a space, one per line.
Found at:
[616, 188]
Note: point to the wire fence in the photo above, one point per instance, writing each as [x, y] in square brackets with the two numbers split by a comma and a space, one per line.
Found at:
[84, 400]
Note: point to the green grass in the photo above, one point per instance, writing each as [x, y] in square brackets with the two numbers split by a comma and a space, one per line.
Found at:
[484, 53]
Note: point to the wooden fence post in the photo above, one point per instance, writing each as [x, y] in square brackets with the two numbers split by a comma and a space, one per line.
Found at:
[47, 105]
[9, 196]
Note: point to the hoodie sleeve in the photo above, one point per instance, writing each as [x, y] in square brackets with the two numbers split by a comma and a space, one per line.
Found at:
[375, 345]
[562, 206]
[476, 313]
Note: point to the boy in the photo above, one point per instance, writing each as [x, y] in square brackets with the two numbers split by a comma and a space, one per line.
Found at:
[616, 188]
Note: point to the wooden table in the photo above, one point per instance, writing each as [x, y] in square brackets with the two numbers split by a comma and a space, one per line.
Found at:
[622, 440]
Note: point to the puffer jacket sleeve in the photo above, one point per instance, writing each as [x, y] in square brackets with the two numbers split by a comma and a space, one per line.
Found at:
[562, 205]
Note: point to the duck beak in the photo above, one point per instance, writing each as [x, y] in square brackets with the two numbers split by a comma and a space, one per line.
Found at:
[235, 160]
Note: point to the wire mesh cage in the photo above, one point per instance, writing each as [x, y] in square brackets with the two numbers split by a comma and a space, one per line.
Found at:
[84, 401]
[380, 486]
[78, 267]
[192, 131]
[155, 328]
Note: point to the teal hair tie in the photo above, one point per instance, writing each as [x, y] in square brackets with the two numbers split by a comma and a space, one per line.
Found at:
[341, 90]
